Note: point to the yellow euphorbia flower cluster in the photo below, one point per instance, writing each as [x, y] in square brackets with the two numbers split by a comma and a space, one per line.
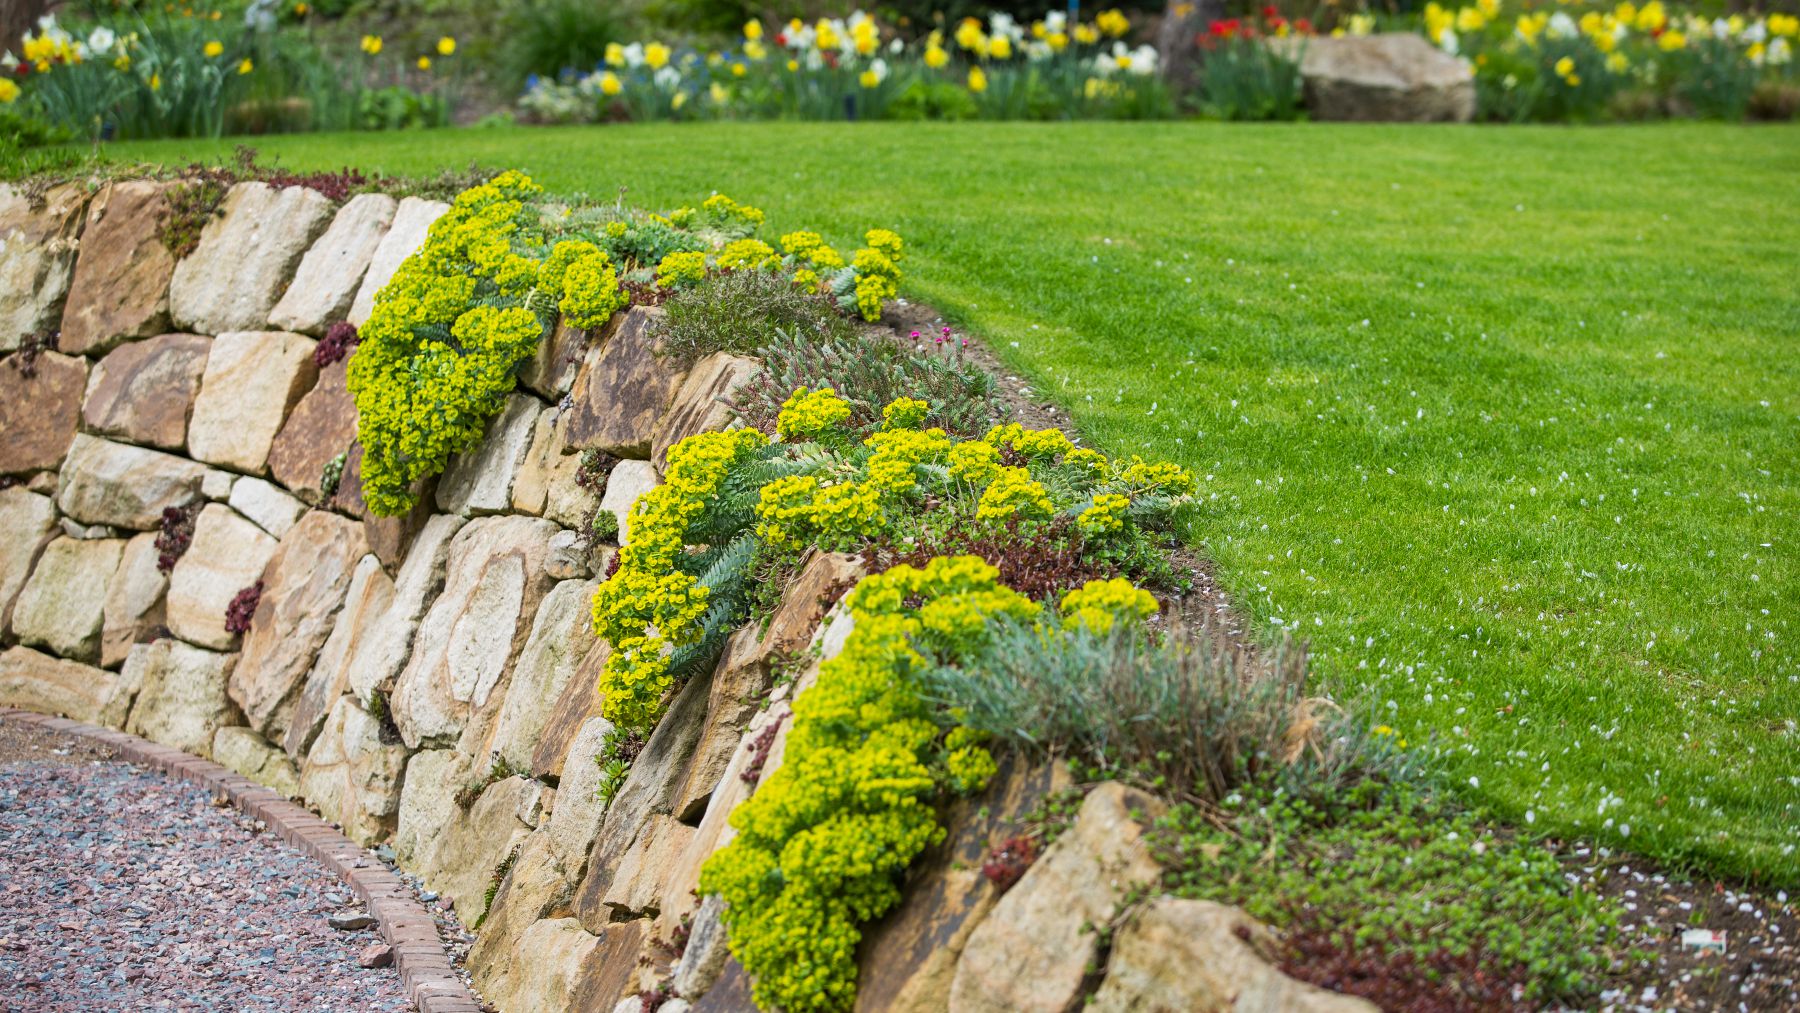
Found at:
[1099, 604]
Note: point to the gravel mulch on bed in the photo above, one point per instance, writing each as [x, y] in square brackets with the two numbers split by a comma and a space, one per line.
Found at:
[123, 889]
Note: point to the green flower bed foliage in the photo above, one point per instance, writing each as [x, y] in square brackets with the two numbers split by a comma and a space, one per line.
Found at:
[438, 352]
[822, 845]
[1393, 869]
[741, 312]
[736, 506]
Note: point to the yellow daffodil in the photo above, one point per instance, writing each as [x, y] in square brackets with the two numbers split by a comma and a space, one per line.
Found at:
[155, 82]
[300, 10]
[1470, 19]
[679, 100]
[446, 46]
[1626, 12]
[977, 80]
[1670, 41]
[245, 66]
[213, 48]
[609, 84]
[970, 36]
[755, 50]
[371, 44]
[718, 93]
[424, 63]
[122, 63]
[615, 55]
[936, 56]
[1490, 8]
[656, 56]
[753, 30]
[1057, 41]
[1087, 35]
[1617, 63]
[1651, 16]
[825, 35]
[739, 70]
[1784, 24]
[1113, 22]
[793, 66]
[868, 79]
[9, 92]
[1565, 67]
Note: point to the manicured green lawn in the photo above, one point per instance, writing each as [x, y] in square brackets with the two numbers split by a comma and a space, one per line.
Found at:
[1506, 422]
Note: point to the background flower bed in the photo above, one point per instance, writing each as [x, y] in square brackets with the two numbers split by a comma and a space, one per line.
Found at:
[120, 69]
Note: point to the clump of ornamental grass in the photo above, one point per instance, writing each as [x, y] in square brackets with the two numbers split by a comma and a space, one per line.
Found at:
[869, 374]
[1186, 717]
[741, 311]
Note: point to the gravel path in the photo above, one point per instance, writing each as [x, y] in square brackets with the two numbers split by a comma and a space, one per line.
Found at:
[123, 889]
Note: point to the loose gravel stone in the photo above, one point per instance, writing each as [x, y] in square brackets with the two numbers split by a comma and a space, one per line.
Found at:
[121, 888]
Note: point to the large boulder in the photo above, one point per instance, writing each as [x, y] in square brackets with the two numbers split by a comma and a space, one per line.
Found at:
[29, 521]
[40, 409]
[133, 611]
[303, 586]
[538, 970]
[38, 245]
[36, 681]
[333, 269]
[121, 286]
[622, 390]
[1393, 76]
[240, 749]
[699, 406]
[62, 606]
[320, 428]
[1197, 955]
[561, 634]
[1033, 950]
[353, 773]
[382, 649]
[181, 699]
[245, 257]
[253, 379]
[466, 644]
[406, 233]
[227, 555]
[143, 392]
[116, 484]
[481, 480]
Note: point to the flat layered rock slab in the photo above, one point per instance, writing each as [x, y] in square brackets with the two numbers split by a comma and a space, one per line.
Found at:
[62, 607]
[29, 520]
[33, 680]
[227, 555]
[120, 290]
[319, 429]
[624, 387]
[246, 257]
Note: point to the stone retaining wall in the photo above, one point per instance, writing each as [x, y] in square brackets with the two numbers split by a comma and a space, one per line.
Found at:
[430, 680]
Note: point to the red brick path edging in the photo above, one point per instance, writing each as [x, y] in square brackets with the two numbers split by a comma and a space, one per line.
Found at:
[419, 955]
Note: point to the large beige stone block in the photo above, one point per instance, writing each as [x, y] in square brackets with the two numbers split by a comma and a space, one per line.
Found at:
[33, 680]
[332, 270]
[38, 245]
[245, 258]
[120, 289]
[466, 645]
[252, 380]
[62, 607]
[123, 486]
[143, 392]
[181, 699]
[303, 587]
[227, 555]
[40, 409]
